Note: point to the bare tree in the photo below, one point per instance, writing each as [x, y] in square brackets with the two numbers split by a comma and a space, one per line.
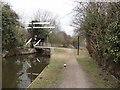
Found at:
[47, 16]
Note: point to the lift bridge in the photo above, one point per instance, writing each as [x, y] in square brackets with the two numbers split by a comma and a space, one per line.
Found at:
[36, 45]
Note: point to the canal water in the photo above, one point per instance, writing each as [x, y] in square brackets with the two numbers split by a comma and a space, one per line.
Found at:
[20, 71]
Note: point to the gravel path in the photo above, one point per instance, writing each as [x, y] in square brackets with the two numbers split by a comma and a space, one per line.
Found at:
[74, 76]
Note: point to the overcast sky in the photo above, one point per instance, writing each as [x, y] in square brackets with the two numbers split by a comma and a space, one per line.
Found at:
[27, 9]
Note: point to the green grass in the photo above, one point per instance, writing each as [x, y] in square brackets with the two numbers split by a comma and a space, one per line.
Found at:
[93, 72]
[58, 51]
[51, 75]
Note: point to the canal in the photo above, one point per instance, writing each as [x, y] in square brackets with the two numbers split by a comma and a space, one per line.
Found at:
[20, 71]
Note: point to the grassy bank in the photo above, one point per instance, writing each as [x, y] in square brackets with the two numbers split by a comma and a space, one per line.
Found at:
[51, 75]
[99, 78]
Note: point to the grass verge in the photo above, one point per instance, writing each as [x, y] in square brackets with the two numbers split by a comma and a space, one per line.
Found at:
[93, 71]
[51, 75]
[59, 51]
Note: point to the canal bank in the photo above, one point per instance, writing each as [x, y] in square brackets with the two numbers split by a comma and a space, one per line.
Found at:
[99, 77]
[25, 51]
[52, 75]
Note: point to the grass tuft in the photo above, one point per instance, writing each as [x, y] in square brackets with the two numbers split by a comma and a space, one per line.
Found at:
[51, 75]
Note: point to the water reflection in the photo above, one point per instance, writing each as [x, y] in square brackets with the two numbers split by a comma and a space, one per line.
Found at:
[20, 71]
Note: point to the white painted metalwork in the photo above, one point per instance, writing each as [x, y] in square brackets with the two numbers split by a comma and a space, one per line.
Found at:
[39, 23]
[41, 27]
[28, 41]
[37, 42]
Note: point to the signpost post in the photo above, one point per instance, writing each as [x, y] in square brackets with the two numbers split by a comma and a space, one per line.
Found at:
[78, 45]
